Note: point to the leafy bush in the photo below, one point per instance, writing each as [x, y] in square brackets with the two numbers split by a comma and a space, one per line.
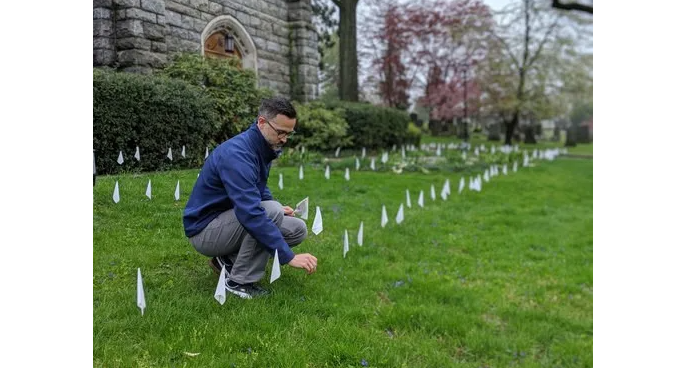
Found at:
[413, 134]
[373, 126]
[318, 128]
[235, 96]
[154, 113]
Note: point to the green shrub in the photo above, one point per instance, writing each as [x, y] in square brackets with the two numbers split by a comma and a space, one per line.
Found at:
[373, 126]
[234, 92]
[413, 134]
[318, 128]
[154, 113]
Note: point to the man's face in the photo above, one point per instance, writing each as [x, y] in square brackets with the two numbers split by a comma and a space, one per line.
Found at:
[276, 130]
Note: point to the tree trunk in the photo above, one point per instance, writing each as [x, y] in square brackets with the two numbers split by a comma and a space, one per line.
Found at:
[510, 129]
[347, 89]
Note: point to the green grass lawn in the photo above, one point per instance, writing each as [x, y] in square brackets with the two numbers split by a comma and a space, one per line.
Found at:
[499, 278]
[582, 149]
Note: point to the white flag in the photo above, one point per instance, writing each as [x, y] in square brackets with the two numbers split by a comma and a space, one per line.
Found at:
[515, 166]
[346, 243]
[438, 151]
[400, 215]
[384, 157]
[317, 225]
[384, 217]
[408, 199]
[137, 153]
[420, 201]
[300, 173]
[356, 163]
[220, 290]
[116, 195]
[479, 183]
[302, 208]
[364, 152]
[183, 155]
[360, 234]
[443, 192]
[327, 173]
[276, 267]
[373, 163]
[476, 152]
[141, 303]
[302, 151]
[505, 169]
[337, 151]
[486, 176]
[281, 181]
[347, 174]
[493, 149]
[170, 154]
[206, 153]
[177, 191]
[149, 189]
[447, 189]
[463, 155]
[462, 184]
[404, 154]
[120, 158]
[471, 184]
[432, 192]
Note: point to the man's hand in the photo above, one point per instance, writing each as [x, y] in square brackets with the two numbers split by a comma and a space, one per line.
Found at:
[288, 211]
[306, 261]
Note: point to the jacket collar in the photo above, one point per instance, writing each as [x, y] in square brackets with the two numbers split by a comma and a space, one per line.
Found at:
[262, 146]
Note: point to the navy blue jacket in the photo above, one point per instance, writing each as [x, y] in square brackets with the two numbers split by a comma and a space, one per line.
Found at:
[235, 176]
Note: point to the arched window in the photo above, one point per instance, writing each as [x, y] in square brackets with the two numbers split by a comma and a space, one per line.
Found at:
[225, 37]
[221, 44]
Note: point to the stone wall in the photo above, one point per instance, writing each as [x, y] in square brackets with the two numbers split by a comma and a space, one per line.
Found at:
[141, 35]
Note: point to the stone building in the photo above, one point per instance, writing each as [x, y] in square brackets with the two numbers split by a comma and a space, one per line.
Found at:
[275, 38]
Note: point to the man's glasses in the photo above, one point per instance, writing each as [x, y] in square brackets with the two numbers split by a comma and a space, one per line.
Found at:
[281, 133]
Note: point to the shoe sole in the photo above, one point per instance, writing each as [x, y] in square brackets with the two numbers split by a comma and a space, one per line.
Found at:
[238, 293]
[216, 269]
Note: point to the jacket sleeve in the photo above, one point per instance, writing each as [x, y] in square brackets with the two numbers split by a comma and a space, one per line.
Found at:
[240, 180]
[266, 194]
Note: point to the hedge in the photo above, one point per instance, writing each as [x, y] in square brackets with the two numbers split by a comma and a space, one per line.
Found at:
[153, 113]
[375, 127]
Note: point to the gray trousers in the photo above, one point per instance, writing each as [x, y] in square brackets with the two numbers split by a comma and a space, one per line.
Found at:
[226, 237]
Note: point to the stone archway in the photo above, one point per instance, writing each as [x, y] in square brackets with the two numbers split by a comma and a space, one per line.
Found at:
[242, 40]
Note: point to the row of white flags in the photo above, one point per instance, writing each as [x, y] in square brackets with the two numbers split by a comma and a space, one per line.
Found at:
[117, 194]
[327, 174]
[384, 156]
[302, 210]
[137, 157]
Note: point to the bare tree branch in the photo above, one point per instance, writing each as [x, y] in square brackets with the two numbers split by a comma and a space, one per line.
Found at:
[542, 42]
[508, 49]
[572, 6]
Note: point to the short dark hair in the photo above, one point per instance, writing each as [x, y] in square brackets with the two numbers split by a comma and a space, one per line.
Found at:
[271, 107]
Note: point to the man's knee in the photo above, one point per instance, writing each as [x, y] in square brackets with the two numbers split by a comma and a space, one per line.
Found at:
[274, 210]
[294, 231]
